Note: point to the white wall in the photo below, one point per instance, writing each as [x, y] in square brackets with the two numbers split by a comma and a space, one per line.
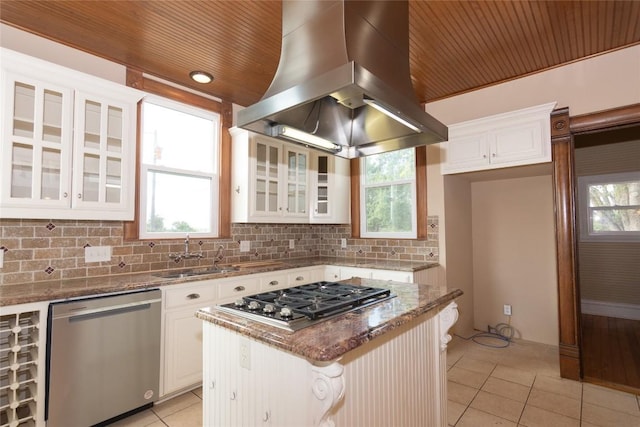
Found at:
[514, 256]
[29, 44]
[599, 83]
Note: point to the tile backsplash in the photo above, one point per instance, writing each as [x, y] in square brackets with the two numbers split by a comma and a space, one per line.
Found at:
[54, 249]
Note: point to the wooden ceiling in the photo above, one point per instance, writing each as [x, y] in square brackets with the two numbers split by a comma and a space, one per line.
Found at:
[455, 46]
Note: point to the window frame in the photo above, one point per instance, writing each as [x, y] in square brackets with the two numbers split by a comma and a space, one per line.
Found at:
[585, 211]
[153, 86]
[413, 234]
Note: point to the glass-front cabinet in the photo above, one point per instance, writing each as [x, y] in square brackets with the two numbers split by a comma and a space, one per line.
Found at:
[274, 181]
[278, 180]
[67, 151]
[36, 149]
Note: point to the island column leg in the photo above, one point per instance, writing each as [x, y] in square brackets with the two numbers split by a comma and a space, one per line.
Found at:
[448, 317]
[328, 389]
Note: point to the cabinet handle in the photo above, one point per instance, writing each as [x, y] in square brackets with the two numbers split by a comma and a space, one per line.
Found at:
[239, 288]
[484, 156]
[193, 296]
[493, 154]
[299, 278]
[238, 189]
[304, 211]
[273, 283]
[335, 276]
[266, 416]
[65, 194]
[233, 395]
[79, 195]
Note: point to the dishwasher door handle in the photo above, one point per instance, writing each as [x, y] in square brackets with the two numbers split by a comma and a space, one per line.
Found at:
[83, 312]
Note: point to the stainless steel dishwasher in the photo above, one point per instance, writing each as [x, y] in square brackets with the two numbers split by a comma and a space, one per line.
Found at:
[103, 357]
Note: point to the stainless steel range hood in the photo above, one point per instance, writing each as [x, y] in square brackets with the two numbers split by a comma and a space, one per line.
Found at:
[343, 72]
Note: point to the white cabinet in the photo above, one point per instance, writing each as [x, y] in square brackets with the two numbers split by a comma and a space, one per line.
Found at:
[511, 139]
[302, 276]
[182, 350]
[231, 289]
[330, 189]
[333, 272]
[270, 180]
[68, 143]
[276, 182]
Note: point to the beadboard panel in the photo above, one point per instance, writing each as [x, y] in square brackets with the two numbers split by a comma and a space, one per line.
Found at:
[397, 380]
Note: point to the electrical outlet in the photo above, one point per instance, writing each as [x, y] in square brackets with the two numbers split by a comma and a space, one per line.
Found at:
[245, 246]
[507, 309]
[292, 244]
[343, 243]
[245, 354]
[97, 253]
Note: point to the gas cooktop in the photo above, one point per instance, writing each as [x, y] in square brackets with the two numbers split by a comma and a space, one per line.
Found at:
[305, 305]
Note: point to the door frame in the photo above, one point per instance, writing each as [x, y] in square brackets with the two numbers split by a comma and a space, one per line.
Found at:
[563, 130]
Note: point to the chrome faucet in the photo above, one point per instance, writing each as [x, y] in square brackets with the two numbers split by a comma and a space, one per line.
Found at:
[217, 257]
[186, 254]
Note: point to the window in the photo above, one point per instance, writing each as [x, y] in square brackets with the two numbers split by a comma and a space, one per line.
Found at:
[387, 203]
[178, 170]
[609, 207]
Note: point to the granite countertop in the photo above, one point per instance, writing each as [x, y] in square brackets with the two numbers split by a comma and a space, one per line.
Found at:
[51, 290]
[333, 338]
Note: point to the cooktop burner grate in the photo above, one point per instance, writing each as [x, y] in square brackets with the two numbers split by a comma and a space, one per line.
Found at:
[304, 305]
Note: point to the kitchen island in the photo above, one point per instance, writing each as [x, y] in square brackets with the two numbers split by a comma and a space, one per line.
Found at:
[383, 365]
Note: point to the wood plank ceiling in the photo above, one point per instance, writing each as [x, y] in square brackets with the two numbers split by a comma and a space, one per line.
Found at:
[455, 46]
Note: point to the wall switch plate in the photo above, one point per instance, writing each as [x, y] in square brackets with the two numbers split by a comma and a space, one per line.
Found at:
[1, 257]
[292, 244]
[245, 354]
[507, 309]
[245, 246]
[343, 243]
[97, 253]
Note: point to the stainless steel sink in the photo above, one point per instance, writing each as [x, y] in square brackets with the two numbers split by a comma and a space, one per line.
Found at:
[190, 273]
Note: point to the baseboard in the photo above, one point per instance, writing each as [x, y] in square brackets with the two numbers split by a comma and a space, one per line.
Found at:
[611, 309]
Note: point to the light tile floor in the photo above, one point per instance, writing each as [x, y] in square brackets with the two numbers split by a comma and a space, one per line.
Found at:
[515, 386]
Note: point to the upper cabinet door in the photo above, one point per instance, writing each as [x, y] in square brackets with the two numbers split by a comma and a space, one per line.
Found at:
[266, 178]
[102, 154]
[297, 162]
[36, 143]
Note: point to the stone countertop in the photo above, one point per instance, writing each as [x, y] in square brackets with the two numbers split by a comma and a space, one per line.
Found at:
[52, 290]
[329, 340]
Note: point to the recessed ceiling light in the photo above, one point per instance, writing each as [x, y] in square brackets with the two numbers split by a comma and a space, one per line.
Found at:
[201, 76]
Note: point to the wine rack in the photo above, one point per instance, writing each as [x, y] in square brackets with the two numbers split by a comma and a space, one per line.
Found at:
[22, 347]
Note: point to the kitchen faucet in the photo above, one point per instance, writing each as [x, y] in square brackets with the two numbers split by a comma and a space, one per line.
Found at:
[217, 257]
[186, 254]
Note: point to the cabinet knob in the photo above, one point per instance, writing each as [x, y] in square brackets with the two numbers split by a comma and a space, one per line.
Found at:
[79, 195]
[493, 154]
[193, 296]
[299, 278]
[484, 156]
[273, 283]
[239, 288]
[65, 194]
[238, 189]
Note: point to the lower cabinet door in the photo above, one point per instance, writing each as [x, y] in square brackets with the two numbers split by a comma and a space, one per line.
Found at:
[183, 350]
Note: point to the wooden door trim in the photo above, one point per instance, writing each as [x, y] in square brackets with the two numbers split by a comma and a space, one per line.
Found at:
[563, 130]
